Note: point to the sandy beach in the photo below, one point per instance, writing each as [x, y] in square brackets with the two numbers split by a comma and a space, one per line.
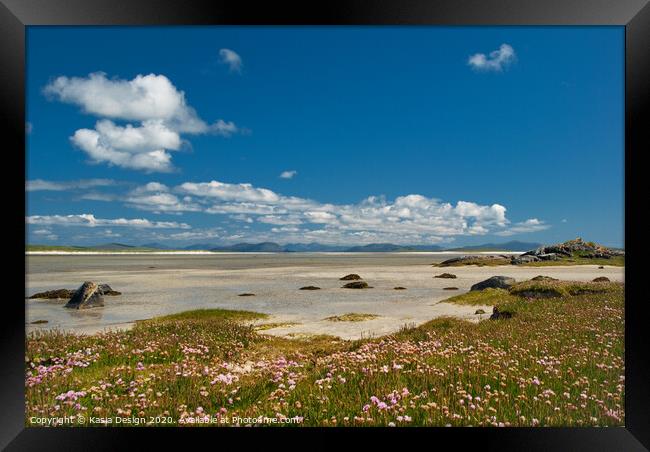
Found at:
[160, 285]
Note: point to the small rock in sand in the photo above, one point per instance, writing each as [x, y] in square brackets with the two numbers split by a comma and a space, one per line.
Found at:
[601, 279]
[450, 288]
[601, 267]
[36, 322]
[479, 311]
[446, 275]
[88, 295]
[246, 295]
[55, 294]
[350, 277]
[544, 278]
[310, 288]
[496, 282]
[399, 288]
[356, 285]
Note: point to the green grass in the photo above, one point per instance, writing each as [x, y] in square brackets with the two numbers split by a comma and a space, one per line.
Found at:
[487, 297]
[535, 289]
[211, 314]
[351, 317]
[616, 261]
[54, 248]
[558, 362]
[69, 248]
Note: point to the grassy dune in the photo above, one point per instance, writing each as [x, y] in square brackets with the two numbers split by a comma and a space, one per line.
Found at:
[616, 261]
[558, 361]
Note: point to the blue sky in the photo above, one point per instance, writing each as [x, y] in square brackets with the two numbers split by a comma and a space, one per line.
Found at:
[458, 135]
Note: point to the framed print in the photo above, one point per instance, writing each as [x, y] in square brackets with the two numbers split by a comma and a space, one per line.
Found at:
[415, 217]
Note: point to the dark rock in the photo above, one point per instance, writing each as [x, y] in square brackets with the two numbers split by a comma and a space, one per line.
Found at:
[450, 288]
[350, 277]
[524, 259]
[55, 294]
[497, 282]
[498, 314]
[479, 311]
[475, 260]
[549, 257]
[601, 267]
[105, 289]
[37, 322]
[544, 278]
[88, 295]
[601, 279]
[446, 275]
[399, 288]
[310, 288]
[577, 247]
[246, 295]
[356, 285]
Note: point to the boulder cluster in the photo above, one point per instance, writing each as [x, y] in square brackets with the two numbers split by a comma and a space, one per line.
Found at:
[570, 248]
[88, 295]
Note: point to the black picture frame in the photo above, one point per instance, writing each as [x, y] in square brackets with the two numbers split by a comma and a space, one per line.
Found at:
[634, 15]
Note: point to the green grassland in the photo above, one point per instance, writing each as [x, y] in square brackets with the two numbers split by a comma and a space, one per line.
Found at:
[616, 261]
[559, 361]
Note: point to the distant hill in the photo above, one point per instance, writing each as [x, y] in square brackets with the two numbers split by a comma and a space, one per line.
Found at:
[200, 247]
[111, 247]
[155, 246]
[507, 246]
[312, 247]
[391, 248]
[271, 247]
[264, 247]
[115, 247]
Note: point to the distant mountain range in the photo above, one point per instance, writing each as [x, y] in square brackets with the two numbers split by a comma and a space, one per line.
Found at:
[508, 246]
[272, 247]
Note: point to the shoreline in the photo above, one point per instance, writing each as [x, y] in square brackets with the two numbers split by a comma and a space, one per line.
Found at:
[278, 295]
[217, 253]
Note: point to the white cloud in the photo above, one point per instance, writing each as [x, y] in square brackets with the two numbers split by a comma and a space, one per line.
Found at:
[161, 109]
[407, 219]
[530, 225]
[288, 174]
[497, 60]
[156, 197]
[232, 59]
[89, 220]
[230, 192]
[28, 127]
[101, 151]
[82, 184]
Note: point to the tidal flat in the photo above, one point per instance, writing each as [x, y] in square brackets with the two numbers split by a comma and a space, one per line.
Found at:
[158, 285]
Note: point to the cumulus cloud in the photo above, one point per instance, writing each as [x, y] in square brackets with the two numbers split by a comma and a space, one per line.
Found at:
[266, 215]
[288, 174]
[157, 198]
[497, 60]
[89, 220]
[82, 184]
[160, 108]
[406, 219]
[530, 225]
[232, 59]
[230, 192]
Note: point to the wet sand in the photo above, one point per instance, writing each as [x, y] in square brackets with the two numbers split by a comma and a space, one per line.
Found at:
[181, 283]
